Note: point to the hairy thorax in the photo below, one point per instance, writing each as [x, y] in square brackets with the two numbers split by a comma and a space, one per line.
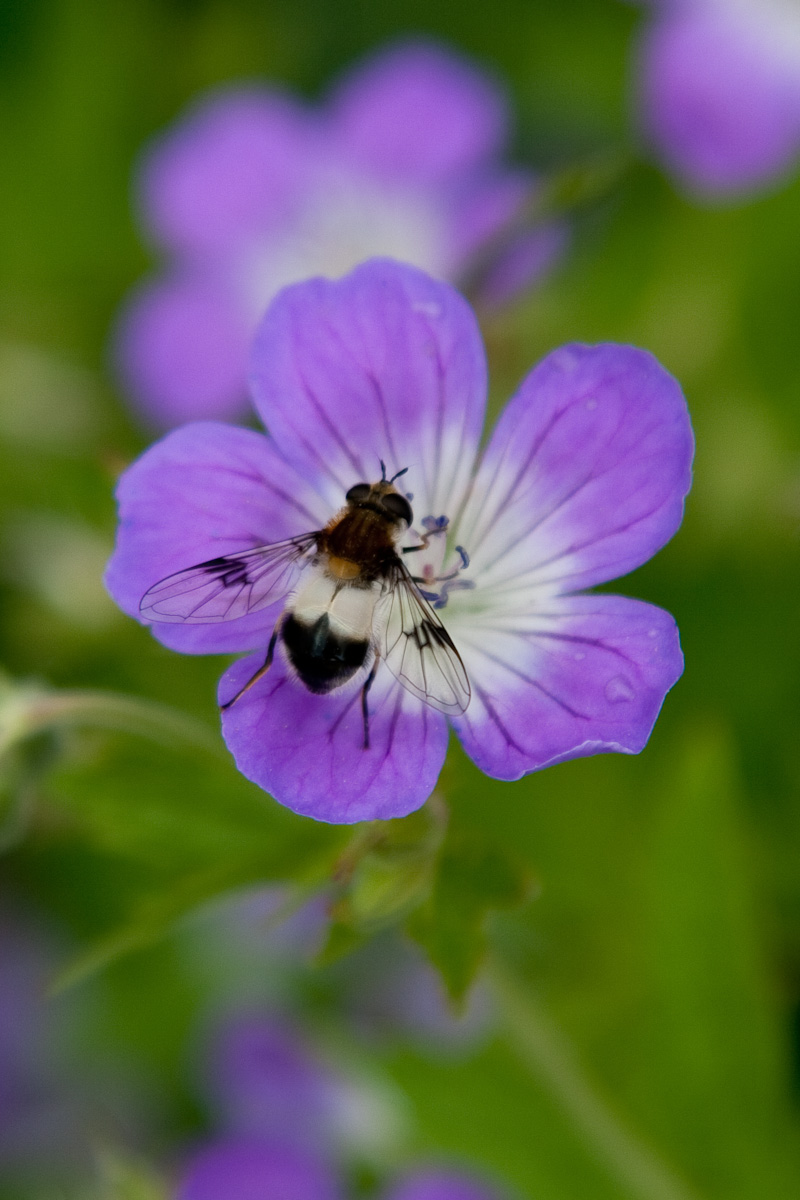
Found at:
[360, 545]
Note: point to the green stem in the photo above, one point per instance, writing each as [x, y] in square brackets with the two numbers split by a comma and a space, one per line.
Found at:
[30, 711]
[551, 1058]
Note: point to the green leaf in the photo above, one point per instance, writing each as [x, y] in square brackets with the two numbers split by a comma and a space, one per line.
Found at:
[120, 1178]
[714, 1041]
[385, 872]
[38, 727]
[187, 825]
[474, 877]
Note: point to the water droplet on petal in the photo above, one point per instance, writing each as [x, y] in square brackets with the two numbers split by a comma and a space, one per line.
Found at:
[579, 656]
[651, 633]
[591, 404]
[619, 691]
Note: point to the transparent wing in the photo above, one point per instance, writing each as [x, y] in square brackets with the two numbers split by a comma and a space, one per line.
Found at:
[225, 588]
[417, 648]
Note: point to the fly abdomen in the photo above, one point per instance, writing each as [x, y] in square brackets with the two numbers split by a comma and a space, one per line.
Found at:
[324, 659]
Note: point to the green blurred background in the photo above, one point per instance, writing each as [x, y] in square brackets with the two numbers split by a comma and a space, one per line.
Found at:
[643, 914]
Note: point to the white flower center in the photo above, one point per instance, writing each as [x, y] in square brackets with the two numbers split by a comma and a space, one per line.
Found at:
[436, 566]
[775, 24]
[345, 219]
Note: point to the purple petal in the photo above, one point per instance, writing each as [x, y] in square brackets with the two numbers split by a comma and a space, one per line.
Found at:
[485, 206]
[584, 477]
[266, 1085]
[419, 113]
[720, 100]
[181, 350]
[582, 675]
[385, 364]
[241, 1170]
[205, 490]
[527, 258]
[232, 169]
[440, 1185]
[505, 259]
[308, 752]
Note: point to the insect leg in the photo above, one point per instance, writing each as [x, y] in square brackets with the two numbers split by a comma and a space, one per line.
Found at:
[426, 538]
[260, 673]
[364, 705]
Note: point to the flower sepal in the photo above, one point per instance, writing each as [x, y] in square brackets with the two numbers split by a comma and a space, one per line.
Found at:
[475, 877]
[386, 872]
[433, 878]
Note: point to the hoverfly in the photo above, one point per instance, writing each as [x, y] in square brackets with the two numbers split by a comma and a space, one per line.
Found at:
[355, 604]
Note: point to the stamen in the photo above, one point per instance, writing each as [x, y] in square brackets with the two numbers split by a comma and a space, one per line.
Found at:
[458, 585]
[428, 578]
[435, 524]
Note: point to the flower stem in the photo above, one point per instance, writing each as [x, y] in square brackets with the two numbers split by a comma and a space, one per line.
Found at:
[551, 1058]
[28, 710]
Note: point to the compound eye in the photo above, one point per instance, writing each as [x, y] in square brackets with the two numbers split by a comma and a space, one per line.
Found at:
[398, 507]
[358, 493]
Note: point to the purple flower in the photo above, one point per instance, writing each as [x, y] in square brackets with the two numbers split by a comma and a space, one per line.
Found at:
[53, 1112]
[282, 1129]
[253, 1170]
[582, 480]
[391, 990]
[267, 1085]
[251, 191]
[439, 1184]
[719, 89]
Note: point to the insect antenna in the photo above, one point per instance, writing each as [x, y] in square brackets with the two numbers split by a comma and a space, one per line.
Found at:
[396, 475]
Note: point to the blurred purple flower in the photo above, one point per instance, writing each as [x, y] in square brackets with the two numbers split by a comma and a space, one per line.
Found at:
[266, 1083]
[53, 1109]
[242, 1170]
[249, 953]
[390, 991]
[718, 85]
[279, 1130]
[252, 1170]
[583, 480]
[25, 1083]
[439, 1184]
[251, 191]
[247, 946]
